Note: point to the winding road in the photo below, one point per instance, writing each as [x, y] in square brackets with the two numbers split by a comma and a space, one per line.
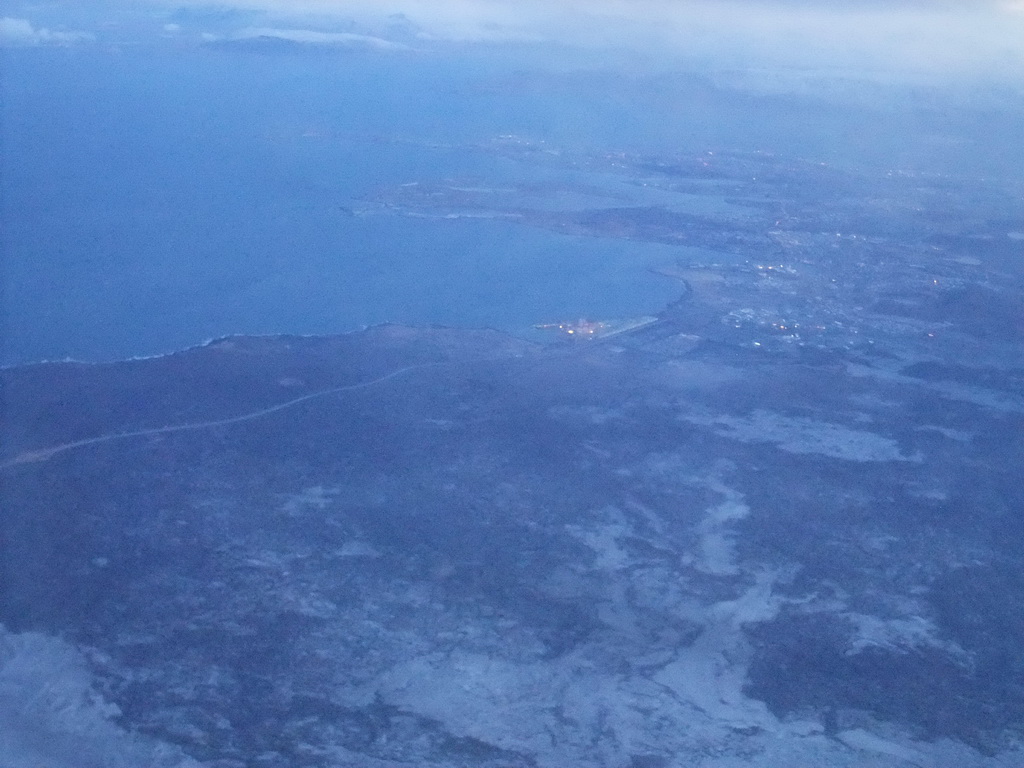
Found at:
[43, 454]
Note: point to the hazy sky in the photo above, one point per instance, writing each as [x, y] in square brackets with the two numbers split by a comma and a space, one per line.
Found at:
[933, 36]
[924, 34]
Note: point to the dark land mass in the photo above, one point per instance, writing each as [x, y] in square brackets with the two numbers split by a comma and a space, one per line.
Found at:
[601, 552]
[779, 524]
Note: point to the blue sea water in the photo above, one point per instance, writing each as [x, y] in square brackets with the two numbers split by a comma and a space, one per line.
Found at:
[155, 198]
[155, 201]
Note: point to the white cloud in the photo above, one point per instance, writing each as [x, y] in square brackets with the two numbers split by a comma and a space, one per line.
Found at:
[317, 37]
[52, 714]
[21, 32]
[917, 35]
